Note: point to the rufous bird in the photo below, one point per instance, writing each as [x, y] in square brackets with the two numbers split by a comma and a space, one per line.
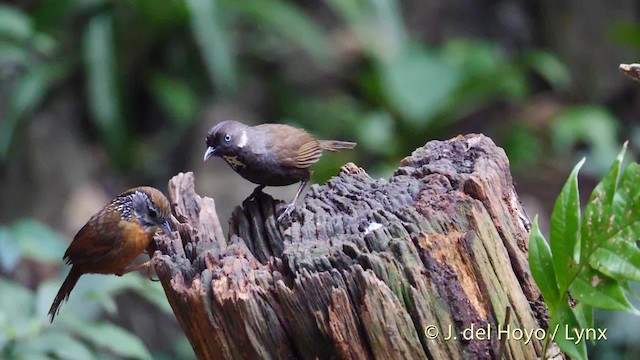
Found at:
[114, 237]
[269, 154]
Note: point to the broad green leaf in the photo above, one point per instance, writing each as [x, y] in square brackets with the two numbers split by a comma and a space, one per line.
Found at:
[617, 259]
[417, 83]
[357, 15]
[541, 265]
[602, 195]
[618, 221]
[588, 124]
[14, 23]
[10, 52]
[285, 18]
[522, 146]
[152, 291]
[113, 338]
[565, 226]
[84, 302]
[26, 96]
[214, 43]
[604, 192]
[550, 68]
[584, 315]
[60, 344]
[175, 96]
[102, 89]
[598, 290]
[9, 250]
[475, 59]
[388, 29]
[22, 351]
[377, 24]
[487, 74]
[38, 241]
[16, 303]
[562, 331]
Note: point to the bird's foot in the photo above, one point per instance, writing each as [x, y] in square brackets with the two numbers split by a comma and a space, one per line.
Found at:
[287, 211]
[148, 266]
[256, 192]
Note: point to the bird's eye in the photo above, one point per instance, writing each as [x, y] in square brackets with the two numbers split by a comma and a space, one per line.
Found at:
[227, 137]
[152, 213]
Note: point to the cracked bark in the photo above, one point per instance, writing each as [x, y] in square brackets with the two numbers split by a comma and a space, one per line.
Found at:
[362, 267]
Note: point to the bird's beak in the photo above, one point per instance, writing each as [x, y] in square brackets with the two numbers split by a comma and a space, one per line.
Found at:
[166, 228]
[209, 153]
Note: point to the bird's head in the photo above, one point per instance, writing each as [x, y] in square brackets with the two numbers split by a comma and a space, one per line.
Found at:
[151, 209]
[226, 138]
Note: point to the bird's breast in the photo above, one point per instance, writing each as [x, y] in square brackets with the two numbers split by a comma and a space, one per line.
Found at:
[263, 168]
[134, 241]
[235, 162]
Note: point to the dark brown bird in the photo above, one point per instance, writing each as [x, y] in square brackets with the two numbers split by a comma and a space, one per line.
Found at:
[114, 237]
[269, 154]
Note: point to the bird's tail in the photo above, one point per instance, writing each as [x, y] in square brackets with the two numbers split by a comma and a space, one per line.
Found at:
[335, 145]
[63, 293]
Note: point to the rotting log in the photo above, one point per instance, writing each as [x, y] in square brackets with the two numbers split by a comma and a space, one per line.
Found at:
[362, 269]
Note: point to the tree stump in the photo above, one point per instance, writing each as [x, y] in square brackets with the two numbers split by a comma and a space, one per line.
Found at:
[364, 268]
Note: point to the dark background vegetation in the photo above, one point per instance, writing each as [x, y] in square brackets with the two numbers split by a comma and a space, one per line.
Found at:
[97, 96]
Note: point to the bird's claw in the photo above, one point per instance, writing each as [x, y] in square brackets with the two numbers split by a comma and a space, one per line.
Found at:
[287, 211]
[149, 265]
[256, 192]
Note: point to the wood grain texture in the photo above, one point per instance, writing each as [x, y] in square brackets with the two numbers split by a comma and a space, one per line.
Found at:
[362, 267]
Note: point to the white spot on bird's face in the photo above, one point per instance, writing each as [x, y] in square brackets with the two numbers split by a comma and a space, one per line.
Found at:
[243, 139]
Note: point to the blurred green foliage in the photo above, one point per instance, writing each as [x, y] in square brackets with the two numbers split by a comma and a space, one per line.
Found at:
[78, 332]
[141, 74]
[181, 53]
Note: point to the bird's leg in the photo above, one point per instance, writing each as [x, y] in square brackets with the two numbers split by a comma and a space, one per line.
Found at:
[256, 192]
[292, 204]
[147, 265]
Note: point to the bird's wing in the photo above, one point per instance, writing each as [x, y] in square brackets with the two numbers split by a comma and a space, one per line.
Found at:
[295, 147]
[87, 247]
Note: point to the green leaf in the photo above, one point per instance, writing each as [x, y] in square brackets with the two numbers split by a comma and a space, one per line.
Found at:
[292, 23]
[417, 83]
[591, 125]
[102, 89]
[541, 265]
[377, 24]
[175, 96]
[111, 337]
[11, 52]
[60, 344]
[562, 331]
[604, 192]
[16, 303]
[565, 226]
[9, 250]
[551, 69]
[600, 291]
[617, 221]
[26, 96]
[213, 42]
[39, 242]
[14, 23]
[584, 315]
[617, 259]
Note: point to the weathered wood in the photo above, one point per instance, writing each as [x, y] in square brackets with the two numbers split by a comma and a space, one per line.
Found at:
[363, 267]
